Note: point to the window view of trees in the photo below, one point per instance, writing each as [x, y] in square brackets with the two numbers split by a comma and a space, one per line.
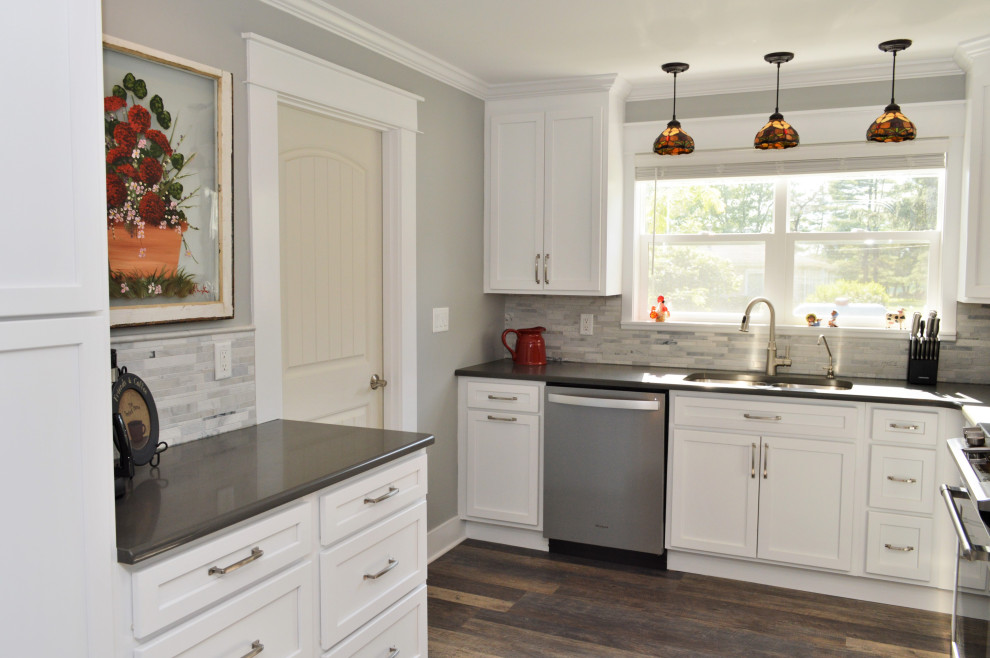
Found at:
[862, 242]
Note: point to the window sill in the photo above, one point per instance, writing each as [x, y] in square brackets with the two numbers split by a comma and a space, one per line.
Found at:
[782, 330]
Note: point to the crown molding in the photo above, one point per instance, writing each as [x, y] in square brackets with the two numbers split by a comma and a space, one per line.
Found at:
[331, 19]
[576, 85]
[968, 53]
[798, 79]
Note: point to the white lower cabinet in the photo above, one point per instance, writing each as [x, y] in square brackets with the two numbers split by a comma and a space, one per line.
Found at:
[248, 590]
[899, 545]
[769, 497]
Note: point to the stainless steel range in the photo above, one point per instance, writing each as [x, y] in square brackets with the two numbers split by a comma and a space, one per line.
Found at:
[969, 509]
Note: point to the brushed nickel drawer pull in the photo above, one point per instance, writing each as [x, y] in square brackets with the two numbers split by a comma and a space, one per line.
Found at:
[752, 462]
[394, 652]
[893, 478]
[507, 398]
[898, 426]
[766, 454]
[256, 648]
[506, 420]
[537, 268]
[546, 265]
[891, 547]
[391, 565]
[256, 553]
[385, 496]
[752, 417]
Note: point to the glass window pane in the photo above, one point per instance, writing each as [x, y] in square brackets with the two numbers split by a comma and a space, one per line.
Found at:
[715, 278]
[698, 207]
[861, 281]
[890, 201]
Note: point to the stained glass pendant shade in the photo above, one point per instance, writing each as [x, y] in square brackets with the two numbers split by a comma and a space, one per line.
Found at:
[892, 125]
[777, 134]
[673, 140]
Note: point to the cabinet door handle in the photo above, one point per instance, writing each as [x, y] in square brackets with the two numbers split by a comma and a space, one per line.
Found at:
[393, 652]
[766, 454]
[256, 553]
[891, 547]
[898, 426]
[256, 648]
[391, 565]
[537, 274]
[752, 462]
[894, 478]
[507, 398]
[753, 417]
[385, 496]
[546, 266]
[504, 420]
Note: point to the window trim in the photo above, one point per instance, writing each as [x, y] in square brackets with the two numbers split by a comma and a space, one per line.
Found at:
[727, 141]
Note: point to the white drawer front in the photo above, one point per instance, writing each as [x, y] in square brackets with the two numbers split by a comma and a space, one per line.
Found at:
[747, 413]
[401, 628]
[179, 586]
[902, 478]
[899, 546]
[346, 510]
[349, 596]
[504, 397]
[275, 615]
[905, 426]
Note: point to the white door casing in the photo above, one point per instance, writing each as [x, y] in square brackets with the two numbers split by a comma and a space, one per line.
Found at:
[330, 223]
[277, 75]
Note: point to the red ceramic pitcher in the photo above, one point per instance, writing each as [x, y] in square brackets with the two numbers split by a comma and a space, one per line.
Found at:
[530, 350]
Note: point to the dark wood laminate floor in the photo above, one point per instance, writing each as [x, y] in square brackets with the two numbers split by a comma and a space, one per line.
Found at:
[492, 600]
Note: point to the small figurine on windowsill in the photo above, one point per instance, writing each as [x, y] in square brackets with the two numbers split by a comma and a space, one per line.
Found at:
[813, 320]
[659, 313]
[833, 321]
[896, 317]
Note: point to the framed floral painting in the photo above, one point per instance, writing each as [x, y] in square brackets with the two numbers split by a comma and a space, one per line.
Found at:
[167, 128]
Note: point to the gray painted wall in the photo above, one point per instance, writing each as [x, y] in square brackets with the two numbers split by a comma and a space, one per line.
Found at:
[449, 194]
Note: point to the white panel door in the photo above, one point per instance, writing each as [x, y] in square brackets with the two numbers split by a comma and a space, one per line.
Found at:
[515, 222]
[714, 492]
[503, 467]
[330, 222]
[573, 206]
[806, 502]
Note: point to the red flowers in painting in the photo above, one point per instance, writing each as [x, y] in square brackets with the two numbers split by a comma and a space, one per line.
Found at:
[140, 118]
[160, 139]
[116, 192]
[150, 171]
[152, 208]
[113, 103]
[125, 135]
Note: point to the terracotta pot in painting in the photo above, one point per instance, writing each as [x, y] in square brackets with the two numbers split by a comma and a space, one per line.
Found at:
[161, 251]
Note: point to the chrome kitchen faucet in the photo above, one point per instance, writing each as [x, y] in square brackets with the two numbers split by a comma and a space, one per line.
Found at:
[772, 359]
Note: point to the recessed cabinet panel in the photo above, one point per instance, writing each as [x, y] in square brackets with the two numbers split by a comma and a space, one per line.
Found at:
[503, 467]
[504, 396]
[714, 493]
[399, 631]
[751, 413]
[899, 545]
[905, 426]
[902, 478]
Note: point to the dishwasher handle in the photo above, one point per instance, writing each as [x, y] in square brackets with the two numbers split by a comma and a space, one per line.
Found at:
[605, 403]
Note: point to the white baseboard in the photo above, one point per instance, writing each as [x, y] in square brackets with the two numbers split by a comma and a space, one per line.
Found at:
[833, 584]
[444, 537]
[510, 536]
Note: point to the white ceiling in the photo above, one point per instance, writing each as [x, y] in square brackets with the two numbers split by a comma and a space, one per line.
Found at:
[512, 41]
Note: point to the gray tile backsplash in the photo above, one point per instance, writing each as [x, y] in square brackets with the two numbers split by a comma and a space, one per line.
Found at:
[965, 360]
[179, 371]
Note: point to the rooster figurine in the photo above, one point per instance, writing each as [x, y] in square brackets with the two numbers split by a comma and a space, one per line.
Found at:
[659, 313]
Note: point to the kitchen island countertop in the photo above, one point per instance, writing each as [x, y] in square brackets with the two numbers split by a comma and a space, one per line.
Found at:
[212, 483]
[646, 378]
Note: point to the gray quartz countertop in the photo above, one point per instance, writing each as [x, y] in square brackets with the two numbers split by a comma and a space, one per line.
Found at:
[652, 378]
[210, 484]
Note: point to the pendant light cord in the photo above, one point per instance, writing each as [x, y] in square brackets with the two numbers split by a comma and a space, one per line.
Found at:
[776, 103]
[893, 77]
[673, 116]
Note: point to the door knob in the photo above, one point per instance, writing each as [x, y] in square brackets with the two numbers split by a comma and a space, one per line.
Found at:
[377, 383]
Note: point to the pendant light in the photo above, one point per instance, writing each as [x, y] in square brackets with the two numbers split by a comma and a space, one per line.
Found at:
[892, 126]
[777, 134]
[673, 140]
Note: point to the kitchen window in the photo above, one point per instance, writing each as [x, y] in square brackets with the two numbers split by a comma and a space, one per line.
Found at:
[858, 236]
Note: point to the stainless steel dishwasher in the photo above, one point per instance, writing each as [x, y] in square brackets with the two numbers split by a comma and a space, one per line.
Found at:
[603, 468]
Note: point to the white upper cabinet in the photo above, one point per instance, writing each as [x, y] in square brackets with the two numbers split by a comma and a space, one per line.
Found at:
[974, 284]
[550, 227]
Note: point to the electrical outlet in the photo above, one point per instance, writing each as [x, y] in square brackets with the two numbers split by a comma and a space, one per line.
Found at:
[221, 360]
[441, 319]
[587, 324]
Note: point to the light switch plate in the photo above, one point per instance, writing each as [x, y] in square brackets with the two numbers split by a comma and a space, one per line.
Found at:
[441, 319]
[221, 360]
[587, 324]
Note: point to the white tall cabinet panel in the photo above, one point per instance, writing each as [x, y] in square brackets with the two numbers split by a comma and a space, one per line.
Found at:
[56, 471]
[974, 284]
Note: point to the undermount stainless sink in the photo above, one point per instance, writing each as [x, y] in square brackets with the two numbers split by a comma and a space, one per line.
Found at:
[759, 380]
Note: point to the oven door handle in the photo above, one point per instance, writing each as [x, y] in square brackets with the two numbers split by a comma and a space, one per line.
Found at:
[949, 495]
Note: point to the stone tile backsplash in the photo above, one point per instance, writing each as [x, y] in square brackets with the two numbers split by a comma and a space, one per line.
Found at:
[965, 360]
[179, 371]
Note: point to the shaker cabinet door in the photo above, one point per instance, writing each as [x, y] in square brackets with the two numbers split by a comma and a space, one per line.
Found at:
[503, 467]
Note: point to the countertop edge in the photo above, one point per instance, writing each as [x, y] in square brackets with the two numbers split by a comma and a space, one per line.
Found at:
[135, 555]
